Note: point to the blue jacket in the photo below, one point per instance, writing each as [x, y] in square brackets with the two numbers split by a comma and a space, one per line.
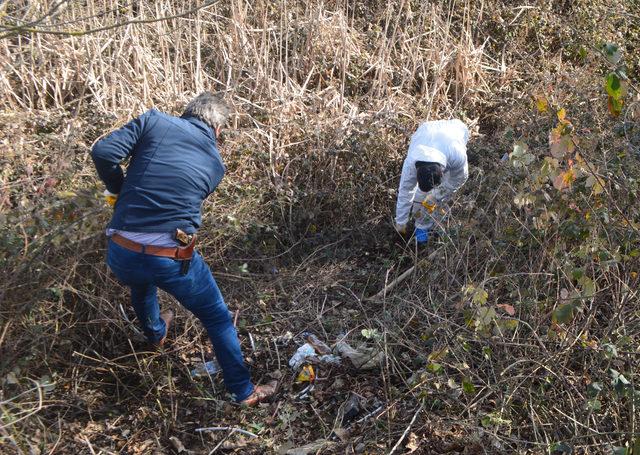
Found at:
[174, 165]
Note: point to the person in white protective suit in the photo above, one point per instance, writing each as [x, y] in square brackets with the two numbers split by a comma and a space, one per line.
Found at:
[435, 168]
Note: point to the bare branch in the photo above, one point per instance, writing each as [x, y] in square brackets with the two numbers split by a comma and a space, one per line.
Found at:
[27, 29]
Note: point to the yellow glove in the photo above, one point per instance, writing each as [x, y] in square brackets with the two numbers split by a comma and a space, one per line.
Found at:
[110, 197]
[401, 228]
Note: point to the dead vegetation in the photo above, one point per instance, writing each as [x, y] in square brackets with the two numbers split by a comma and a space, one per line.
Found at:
[518, 332]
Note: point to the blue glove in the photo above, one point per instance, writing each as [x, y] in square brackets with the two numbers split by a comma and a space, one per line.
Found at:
[422, 236]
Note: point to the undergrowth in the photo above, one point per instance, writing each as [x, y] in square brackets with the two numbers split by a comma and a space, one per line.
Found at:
[516, 332]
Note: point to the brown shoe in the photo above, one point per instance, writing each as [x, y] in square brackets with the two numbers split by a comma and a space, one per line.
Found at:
[260, 393]
[167, 316]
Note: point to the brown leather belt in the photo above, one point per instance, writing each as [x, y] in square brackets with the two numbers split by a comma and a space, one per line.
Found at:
[180, 253]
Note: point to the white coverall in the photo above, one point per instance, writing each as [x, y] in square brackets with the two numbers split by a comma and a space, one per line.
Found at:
[443, 142]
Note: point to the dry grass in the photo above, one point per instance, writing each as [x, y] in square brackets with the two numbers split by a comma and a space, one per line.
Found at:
[326, 96]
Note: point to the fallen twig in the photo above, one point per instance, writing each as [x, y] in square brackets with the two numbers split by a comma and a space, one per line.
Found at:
[401, 278]
[406, 431]
[393, 284]
[239, 430]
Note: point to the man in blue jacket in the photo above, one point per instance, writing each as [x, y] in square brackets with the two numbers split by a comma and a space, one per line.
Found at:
[174, 165]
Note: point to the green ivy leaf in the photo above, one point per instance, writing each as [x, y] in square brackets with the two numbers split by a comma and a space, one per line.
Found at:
[478, 295]
[577, 273]
[588, 286]
[594, 405]
[467, 386]
[520, 157]
[57, 292]
[562, 447]
[619, 382]
[563, 314]
[612, 52]
[484, 317]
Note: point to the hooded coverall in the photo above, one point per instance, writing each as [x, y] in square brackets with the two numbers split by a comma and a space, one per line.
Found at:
[443, 142]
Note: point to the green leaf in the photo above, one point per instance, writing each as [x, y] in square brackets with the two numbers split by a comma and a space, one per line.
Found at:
[494, 419]
[595, 184]
[594, 389]
[478, 295]
[520, 148]
[610, 350]
[620, 383]
[613, 86]
[258, 427]
[594, 405]
[508, 324]
[582, 52]
[588, 286]
[371, 334]
[520, 157]
[577, 273]
[435, 368]
[467, 386]
[57, 292]
[438, 354]
[484, 317]
[617, 450]
[562, 447]
[612, 52]
[563, 314]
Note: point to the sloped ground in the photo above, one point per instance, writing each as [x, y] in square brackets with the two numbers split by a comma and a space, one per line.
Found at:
[518, 331]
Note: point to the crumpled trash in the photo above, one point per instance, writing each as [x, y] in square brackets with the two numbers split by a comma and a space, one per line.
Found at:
[301, 355]
[307, 354]
[285, 339]
[315, 351]
[352, 408]
[318, 345]
[363, 358]
[210, 368]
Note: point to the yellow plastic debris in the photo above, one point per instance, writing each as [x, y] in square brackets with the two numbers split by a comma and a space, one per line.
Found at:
[307, 374]
[430, 206]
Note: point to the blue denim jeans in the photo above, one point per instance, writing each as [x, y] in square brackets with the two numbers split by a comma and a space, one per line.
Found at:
[197, 291]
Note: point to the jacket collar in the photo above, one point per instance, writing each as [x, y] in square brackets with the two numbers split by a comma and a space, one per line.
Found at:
[206, 129]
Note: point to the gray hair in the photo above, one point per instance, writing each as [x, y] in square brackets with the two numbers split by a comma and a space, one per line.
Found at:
[210, 108]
